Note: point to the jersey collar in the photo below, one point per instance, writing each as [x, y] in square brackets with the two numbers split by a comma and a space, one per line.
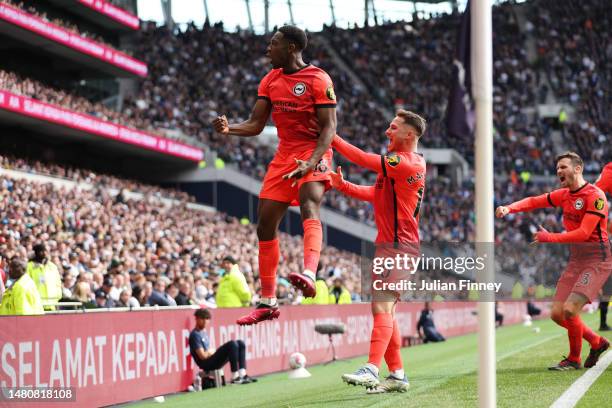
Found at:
[579, 188]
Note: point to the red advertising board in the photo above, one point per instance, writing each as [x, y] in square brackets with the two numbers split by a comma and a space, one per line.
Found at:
[62, 36]
[80, 121]
[113, 357]
[114, 12]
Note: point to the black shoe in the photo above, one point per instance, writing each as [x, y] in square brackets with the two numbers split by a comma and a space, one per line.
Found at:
[595, 353]
[565, 365]
[249, 379]
[238, 380]
[604, 328]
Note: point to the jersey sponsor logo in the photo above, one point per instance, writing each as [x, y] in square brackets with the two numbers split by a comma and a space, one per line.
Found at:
[599, 204]
[299, 89]
[393, 160]
[331, 95]
[578, 204]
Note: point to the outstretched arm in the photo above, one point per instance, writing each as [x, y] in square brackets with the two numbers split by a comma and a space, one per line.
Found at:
[253, 126]
[527, 204]
[354, 154]
[580, 234]
[364, 193]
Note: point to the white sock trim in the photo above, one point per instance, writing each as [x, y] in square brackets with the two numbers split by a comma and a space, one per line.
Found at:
[399, 374]
[372, 367]
[310, 274]
[268, 301]
[242, 372]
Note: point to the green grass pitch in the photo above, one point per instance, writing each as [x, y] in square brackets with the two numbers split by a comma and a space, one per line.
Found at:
[441, 374]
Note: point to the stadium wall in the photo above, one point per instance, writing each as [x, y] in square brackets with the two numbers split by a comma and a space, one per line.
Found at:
[114, 357]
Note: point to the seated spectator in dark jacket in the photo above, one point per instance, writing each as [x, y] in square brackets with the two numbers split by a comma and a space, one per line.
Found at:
[103, 300]
[183, 298]
[430, 333]
[159, 296]
[234, 351]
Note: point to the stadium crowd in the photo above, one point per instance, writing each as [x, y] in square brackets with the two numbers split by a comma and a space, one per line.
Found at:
[49, 17]
[574, 52]
[110, 249]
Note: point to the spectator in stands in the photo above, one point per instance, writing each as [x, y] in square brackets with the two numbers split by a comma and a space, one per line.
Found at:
[338, 294]
[126, 300]
[22, 297]
[104, 301]
[208, 359]
[184, 296]
[46, 276]
[159, 296]
[322, 296]
[68, 284]
[82, 293]
[426, 323]
[233, 289]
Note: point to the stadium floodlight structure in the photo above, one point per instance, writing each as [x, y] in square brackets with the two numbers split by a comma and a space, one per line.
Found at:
[482, 90]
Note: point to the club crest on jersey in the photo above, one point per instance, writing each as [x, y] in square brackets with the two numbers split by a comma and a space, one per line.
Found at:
[599, 204]
[393, 160]
[578, 204]
[331, 95]
[321, 166]
[299, 89]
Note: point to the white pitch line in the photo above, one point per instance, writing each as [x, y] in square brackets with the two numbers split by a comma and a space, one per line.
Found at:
[572, 395]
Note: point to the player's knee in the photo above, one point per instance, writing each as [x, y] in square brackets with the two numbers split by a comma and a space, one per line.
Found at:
[232, 344]
[240, 344]
[264, 231]
[569, 310]
[309, 210]
[557, 316]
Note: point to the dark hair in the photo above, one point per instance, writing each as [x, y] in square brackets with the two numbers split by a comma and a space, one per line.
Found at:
[202, 314]
[39, 247]
[19, 264]
[414, 120]
[574, 158]
[295, 35]
[230, 259]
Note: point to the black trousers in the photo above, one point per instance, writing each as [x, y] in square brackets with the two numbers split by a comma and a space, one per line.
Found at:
[432, 335]
[233, 351]
[603, 313]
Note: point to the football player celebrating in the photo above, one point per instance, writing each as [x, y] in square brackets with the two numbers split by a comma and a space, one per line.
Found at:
[396, 197]
[301, 99]
[585, 218]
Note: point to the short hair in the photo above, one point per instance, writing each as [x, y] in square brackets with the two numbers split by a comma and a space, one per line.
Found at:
[295, 35]
[18, 264]
[230, 259]
[414, 120]
[574, 158]
[39, 247]
[202, 314]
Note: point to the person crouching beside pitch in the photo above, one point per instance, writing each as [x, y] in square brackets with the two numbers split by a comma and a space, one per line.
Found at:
[396, 197]
[208, 359]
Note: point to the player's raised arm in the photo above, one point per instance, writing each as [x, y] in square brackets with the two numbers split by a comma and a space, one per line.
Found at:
[364, 193]
[551, 199]
[253, 126]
